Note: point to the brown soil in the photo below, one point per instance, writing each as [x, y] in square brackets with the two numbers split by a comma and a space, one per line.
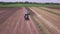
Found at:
[50, 21]
[12, 22]
[57, 8]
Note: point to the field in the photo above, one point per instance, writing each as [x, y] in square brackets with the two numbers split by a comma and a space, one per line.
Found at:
[28, 5]
[48, 20]
[43, 19]
[18, 5]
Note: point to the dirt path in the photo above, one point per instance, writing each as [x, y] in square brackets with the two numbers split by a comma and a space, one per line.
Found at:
[16, 24]
[50, 21]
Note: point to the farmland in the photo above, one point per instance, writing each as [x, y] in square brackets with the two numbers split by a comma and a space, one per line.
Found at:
[49, 20]
[43, 19]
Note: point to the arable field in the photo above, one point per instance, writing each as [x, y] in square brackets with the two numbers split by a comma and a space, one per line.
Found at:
[58, 8]
[12, 21]
[50, 21]
[41, 20]
[54, 10]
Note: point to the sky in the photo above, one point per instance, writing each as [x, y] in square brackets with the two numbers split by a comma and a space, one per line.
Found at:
[43, 1]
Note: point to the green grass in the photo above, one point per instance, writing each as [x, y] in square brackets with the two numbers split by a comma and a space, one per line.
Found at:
[27, 5]
[19, 5]
[51, 5]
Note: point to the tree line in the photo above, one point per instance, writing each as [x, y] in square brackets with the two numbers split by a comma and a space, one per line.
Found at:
[26, 3]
